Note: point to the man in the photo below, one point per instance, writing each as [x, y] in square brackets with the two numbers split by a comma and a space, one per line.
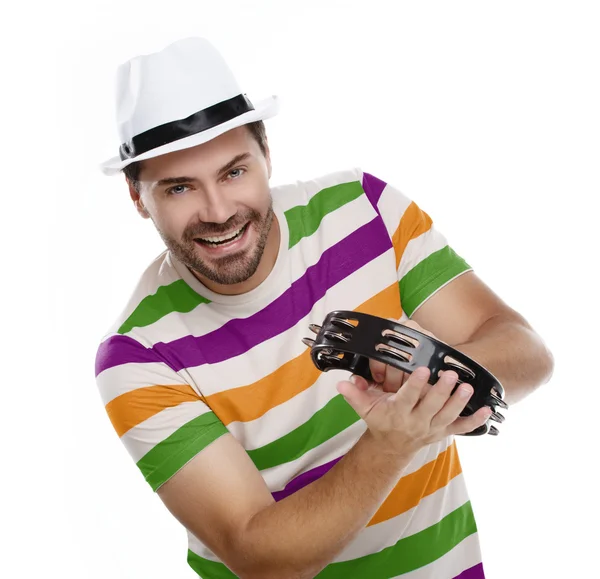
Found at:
[275, 469]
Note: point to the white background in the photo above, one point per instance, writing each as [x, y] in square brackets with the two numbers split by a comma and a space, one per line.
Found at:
[485, 113]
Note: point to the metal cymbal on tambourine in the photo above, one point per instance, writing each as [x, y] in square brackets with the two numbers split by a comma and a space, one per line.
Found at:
[348, 339]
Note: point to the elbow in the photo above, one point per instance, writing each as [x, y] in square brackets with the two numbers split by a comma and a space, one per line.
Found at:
[548, 365]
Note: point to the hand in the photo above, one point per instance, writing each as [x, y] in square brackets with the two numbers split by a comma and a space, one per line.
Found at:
[388, 378]
[406, 421]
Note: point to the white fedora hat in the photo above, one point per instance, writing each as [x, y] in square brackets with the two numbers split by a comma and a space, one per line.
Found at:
[180, 97]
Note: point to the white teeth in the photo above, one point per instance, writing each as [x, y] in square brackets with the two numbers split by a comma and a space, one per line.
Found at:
[224, 237]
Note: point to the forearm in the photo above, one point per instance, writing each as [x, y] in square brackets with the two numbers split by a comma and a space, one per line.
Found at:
[512, 351]
[301, 534]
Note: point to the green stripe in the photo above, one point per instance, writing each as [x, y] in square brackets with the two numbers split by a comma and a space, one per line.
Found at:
[304, 220]
[428, 276]
[333, 418]
[175, 297]
[410, 553]
[406, 555]
[209, 569]
[167, 457]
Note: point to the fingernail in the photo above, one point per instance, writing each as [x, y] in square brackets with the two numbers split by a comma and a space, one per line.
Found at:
[464, 392]
[353, 378]
[421, 373]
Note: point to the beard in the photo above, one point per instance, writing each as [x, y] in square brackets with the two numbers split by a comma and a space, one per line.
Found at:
[229, 269]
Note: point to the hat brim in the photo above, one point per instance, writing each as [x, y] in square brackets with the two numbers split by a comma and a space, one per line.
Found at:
[263, 110]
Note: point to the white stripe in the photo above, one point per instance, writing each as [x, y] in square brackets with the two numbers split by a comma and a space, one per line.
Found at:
[243, 370]
[322, 454]
[153, 277]
[345, 295]
[142, 438]
[392, 205]
[373, 539]
[334, 227]
[301, 192]
[118, 380]
[160, 273]
[465, 555]
[286, 417]
[430, 511]
[420, 248]
[278, 476]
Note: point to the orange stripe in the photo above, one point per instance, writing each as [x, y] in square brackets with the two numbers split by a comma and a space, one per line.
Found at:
[413, 487]
[252, 401]
[385, 304]
[132, 408]
[413, 223]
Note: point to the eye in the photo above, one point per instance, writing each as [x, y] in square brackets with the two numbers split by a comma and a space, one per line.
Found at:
[235, 173]
[177, 190]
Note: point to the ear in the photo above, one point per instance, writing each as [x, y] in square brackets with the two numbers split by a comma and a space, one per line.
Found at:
[268, 158]
[137, 200]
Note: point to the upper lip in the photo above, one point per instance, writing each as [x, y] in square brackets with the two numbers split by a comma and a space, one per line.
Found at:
[226, 234]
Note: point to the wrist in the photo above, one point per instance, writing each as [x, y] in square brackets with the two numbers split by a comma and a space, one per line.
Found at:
[401, 453]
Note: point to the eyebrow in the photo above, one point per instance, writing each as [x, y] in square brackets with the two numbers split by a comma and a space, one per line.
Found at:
[223, 169]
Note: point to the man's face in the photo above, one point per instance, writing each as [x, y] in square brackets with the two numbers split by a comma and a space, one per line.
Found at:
[212, 206]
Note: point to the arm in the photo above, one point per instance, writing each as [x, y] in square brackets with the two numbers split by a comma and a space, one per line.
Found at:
[440, 293]
[207, 480]
[469, 316]
[222, 499]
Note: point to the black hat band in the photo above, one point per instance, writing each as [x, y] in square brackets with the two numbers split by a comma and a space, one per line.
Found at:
[175, 130]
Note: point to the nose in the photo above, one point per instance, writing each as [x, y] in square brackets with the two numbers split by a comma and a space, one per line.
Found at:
[216, 206]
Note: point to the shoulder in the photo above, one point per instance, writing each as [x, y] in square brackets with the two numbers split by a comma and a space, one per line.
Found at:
[154, 282]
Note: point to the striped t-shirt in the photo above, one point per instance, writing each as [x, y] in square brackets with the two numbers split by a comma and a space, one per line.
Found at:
[184, 365]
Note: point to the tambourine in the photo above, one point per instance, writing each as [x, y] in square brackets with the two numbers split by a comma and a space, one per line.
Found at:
[347, 340]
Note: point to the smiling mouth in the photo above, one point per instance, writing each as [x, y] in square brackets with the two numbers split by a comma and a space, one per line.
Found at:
[215, 241]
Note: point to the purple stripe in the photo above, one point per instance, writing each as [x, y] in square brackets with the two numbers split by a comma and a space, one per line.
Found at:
[472, 573]
[124, 348]
[373, 187]
[240, 335]
[304, 479]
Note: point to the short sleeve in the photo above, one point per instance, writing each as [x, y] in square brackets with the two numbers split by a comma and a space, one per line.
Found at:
[425, 262]
[162, 421]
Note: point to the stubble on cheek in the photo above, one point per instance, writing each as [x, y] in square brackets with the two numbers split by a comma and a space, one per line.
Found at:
[228, 269]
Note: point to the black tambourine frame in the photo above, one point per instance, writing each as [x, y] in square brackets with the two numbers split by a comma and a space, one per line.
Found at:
[347, 340]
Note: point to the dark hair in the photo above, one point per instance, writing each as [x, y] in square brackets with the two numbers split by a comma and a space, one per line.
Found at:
[257, 130]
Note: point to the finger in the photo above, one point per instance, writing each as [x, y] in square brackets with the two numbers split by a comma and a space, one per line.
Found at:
[465, 424]
[394, 378]
[362, 401]
[426, 388]
[407, 397]
[455, 405]
[378, 371]
[438, 395]
[359, 382]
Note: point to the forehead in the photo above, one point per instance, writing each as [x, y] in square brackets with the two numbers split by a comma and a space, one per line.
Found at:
[202, 161]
